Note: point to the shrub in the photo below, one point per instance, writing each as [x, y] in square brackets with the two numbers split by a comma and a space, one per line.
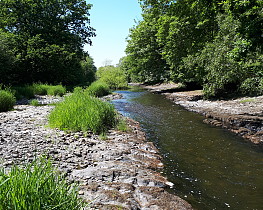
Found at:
[37, 186]
[7, 100]
[24, 92]
[34, 102]
[98, 89]
[40, 89]
[57, 90]
[80, 111]
[114, 77]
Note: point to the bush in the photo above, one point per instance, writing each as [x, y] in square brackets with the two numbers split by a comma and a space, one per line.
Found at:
[40, 89]
[24, 92]
[98, 89]
[7, 100]
[34, 102]
[81, 112]
[252, 86]
[114, 77]
[37, 186]
[57, 90]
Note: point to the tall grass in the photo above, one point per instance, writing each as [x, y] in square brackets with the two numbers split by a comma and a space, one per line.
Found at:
[98, 89]
[29, 91]
[81, 112]
[36, 186]
[7, 100]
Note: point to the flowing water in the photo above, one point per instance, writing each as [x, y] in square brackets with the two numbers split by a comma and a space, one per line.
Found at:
[210, 167]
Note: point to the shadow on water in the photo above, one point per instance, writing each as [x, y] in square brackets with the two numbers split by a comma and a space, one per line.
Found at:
[210, 167]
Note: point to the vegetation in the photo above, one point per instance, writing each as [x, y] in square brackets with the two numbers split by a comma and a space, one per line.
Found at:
[214, 44]
[34, 102]
[7, 100]
[45, 43]
[114, 77]
[29, 91]
[36, 186]
[81, 112]
[98, 89]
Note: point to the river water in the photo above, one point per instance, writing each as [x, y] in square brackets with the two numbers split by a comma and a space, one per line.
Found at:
[210, 167]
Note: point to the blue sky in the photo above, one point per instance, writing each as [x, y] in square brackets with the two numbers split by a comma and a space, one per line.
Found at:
[112, 20]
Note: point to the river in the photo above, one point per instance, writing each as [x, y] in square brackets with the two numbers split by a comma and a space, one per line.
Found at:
[211, 167]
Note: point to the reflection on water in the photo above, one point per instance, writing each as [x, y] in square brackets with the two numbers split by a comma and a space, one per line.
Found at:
[210, 167]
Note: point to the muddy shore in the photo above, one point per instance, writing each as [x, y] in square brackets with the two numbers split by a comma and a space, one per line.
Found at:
[243, 116]
[119, 172]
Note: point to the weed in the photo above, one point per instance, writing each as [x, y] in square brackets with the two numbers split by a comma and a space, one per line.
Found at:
[248, 100]
[81, 112]
[34, 102]
[37, 186]
[98, 89]
[7, 100]
[122, 125]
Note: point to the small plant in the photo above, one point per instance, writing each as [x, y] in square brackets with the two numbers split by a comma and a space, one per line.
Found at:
[24, 92]
[98, 89]
[7, 100]
[34, 102]
[57, 90]
[248, 100]
[81, 112]
[103, 136]
[122, 125]
[37, 186]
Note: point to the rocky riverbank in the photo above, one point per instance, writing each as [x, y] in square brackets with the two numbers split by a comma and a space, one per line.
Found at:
[243, 116]
[116, 172]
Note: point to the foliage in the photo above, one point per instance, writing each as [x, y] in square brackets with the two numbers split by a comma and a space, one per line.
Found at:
[114, 77]
[7, 100]
[45, 43]
[34, 102]
[36, 186]
[26, 91]
[29, 91]
[57, 90]
[98, 89]
[122, 125]
[214, 44]
[80, 111]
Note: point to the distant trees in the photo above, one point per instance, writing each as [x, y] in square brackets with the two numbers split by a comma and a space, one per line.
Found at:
[210, 43]
[42, 41]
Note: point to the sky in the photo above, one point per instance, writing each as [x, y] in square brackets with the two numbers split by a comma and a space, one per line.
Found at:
[112, 20]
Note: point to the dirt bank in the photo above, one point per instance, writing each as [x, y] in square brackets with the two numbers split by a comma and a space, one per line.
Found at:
[119, 172]
[243, 116]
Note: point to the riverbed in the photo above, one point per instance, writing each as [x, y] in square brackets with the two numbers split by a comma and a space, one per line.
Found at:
[211, 167]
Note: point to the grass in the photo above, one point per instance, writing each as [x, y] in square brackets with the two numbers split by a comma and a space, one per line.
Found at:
[122, 125]
[248, 100]
[7, 100]
[34, 102]
[98, 89]
[29, 91]
[37, 186]
[81, 112]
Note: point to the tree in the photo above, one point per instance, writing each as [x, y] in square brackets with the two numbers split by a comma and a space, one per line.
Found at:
[50, 36]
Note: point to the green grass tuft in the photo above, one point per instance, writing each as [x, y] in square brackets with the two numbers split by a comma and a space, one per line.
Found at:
[98, 89]
[34, 102]
[7, 100]
[81, 112]
[122, 125]
[37, 186]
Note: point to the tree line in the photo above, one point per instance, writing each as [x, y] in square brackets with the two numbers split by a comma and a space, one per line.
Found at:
[213, 44]
[42, 41]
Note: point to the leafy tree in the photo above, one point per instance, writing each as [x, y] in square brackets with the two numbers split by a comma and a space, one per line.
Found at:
[49, 39]
[114, 77]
